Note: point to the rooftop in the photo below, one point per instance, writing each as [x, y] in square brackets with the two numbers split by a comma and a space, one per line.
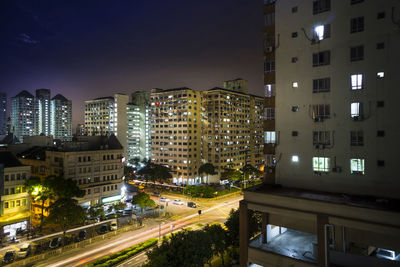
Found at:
[362, 201]
[9, 160]
[230, 91]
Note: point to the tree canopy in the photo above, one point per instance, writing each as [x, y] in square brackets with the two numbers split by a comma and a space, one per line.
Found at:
[232, 223]
[155, 172]
[208, 169]
[231, 174]
[185, 248]
[143, 200]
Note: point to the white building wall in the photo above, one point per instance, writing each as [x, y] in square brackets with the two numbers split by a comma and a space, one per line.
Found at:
[377, 180]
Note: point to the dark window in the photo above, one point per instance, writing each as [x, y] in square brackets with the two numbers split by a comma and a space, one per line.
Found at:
[294, 9]
[321, 138]
[294, 59]
[381, 15]
[294, 34]
[380, 133]
[380, 45]
[357, 53]
[321, 112]
[380, 163]
[295, 108]
[321, 58]
[269, 19]
[357, 24]
[321, 85]
[269, 66]
[356, 138]
[320, 6]
[380, 104]
[295, 133]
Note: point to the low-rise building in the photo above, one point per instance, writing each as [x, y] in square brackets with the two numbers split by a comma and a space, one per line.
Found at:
[14, 206]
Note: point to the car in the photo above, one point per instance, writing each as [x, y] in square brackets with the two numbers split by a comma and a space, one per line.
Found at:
[127, 212]
[55, 243]
[191, 205]
[82, 235]
[9, 256]
[24, 250]
[178, 202]
[164, 199]
[156, 194]
[113, 225]
[103, 229]
[387, 254]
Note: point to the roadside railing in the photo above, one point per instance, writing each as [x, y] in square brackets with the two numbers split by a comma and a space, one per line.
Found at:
[69, 247]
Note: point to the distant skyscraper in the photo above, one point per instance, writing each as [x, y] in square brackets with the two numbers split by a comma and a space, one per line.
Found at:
[107, 115]
[80, 129]
[3, 113]
[61, 118]
[22, 114]
[138, 118]
[42, 111]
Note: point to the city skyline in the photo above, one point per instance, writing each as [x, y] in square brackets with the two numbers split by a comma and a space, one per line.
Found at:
[174, 47]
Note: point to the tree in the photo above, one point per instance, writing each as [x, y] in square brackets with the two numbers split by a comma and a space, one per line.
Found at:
[218, 240]
[40, 191]
[249, 172]
[208, 169]
[66, 212]
[232, 223]
[155, 172]
[185, 248]
[231, 174]
[143, 200]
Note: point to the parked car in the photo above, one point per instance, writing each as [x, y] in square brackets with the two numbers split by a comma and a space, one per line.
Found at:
[82, 235]
[191, 205]
[164, 199]
[156, 194]
[24, 251]
[178, 202]
[113, 225]
[103, 229]
[55, 243]
[127, 213]
[9, 256]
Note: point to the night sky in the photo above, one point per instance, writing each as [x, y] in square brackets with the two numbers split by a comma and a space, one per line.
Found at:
[87, 49]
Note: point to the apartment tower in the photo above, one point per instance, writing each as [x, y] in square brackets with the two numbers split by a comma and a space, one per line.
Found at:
[61, 118]
[23, 115]
[336, 194]
[176, 132]
[3, 113]
[42, 112]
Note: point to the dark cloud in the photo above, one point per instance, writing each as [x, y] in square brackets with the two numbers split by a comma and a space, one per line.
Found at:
[27, 39]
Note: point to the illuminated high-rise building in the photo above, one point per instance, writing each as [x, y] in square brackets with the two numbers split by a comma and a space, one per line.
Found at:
[332, 198]
[106, 116]
[138, 119]
[42, 112]
[176, 132]
[61, 118]
[23, 115]
[3, 113]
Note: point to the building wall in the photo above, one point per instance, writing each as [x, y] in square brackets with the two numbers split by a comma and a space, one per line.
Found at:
[176, 132]
[61, 118]
[42, 112]
[3, 113]
[22, 116]
[232, 129]
[294, 104]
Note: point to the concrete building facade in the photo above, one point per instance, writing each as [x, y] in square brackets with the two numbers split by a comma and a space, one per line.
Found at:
[61, 118]
[176, 132]
[139, 135]
[23, 115]
[42, 112]
[3, 113]
[334, 200]
[14, 206]
[108, 115]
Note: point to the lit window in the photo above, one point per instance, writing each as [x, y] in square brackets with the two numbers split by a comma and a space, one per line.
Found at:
[295, 85]
[356, 109]
[356, 82]
[321, 164]
[295, 158]
[380, 75]
[319, 31]
[270, 137]
[357, 166]
[269, 90]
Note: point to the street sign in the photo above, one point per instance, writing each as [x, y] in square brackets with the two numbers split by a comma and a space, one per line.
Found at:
[199, 211]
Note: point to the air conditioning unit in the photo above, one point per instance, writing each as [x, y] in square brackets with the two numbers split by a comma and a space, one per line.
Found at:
[269, 49]
[336, 169]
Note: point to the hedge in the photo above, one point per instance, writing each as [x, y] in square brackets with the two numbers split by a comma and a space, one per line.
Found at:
[122, 255]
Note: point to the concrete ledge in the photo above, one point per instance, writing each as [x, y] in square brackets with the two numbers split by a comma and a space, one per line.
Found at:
[269, 259]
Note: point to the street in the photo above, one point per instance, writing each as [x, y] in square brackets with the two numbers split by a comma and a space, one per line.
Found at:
[185, 217]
